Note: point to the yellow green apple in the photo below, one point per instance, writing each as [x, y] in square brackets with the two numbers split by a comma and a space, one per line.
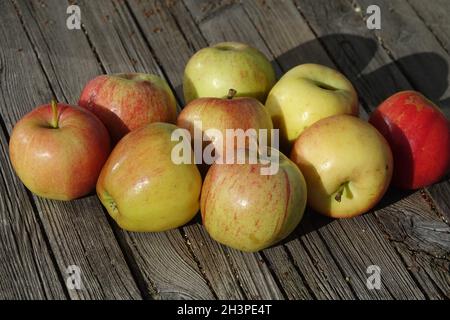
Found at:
[142, 188]
[306, 94]
[347, 165]
[214, 70]
[249, 211]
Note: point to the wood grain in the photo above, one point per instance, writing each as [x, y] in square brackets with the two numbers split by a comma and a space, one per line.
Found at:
[171, 47]
[435, 18]
[31, 274]
[440, 192]
[422, 240]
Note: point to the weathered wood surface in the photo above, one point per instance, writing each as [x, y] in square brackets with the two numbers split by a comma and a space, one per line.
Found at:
[407, 235]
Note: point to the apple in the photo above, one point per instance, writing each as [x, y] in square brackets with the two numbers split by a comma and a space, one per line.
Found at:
[419, 135]
[142, 188]
[248, 211]
[225, 114]
[213, 70]
[306, 94]
[58, 150]
[125, 102]
[347, 165]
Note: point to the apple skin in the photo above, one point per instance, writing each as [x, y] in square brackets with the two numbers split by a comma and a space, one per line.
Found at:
[125, 102]
[140, 186]
[248, 211]
[214, 70]
[59, 163]
[344, 151]
[223, 114]
[419, 135]
[306, 94]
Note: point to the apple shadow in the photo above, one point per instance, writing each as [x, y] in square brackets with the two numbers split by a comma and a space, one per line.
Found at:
[428, 62]
[352, 55]
[196, 220]
[110, 120]
[311, 222]
[355, 51]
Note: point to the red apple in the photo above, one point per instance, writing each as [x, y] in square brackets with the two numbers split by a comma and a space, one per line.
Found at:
[125, 102]
[58, 151]
[226, 114]
[419, 136]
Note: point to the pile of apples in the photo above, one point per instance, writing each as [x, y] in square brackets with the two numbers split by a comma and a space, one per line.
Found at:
[338, 164]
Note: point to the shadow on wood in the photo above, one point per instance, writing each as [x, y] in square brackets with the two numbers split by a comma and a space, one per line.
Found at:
[354, 54]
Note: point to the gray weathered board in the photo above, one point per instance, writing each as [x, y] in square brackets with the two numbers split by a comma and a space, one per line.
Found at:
[407, 235]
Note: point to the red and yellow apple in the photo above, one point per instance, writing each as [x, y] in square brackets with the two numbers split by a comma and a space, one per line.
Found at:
[58, 150]
[213, 70]
[226, 114]
[142, 188]
[246, 210]
[306, 94]
[419, 135]
[347, 165]
[125, 102]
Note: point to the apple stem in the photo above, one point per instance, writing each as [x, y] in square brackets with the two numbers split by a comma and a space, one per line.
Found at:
[339, 193]
[231, 94]
[54, 123]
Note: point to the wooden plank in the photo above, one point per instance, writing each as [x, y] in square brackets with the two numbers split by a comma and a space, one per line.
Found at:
[27, 269]
[440, 192]
[166, 260]
[215, 264]
[78, 231]
[160, 276]
[172, 48]
[435, 18]
[323, 19]
[205, 9]
[316, 263]
[423, 242]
